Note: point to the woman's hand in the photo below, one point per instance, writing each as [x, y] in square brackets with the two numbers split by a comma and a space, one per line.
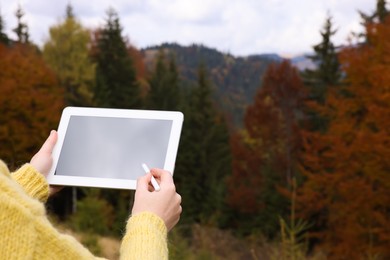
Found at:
[43, 160]
[165, 203]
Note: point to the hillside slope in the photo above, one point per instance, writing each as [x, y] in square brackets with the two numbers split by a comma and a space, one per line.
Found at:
[235, 79]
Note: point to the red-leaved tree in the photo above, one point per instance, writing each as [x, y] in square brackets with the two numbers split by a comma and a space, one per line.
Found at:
[30, 103]
[265, 152]
[347, 192]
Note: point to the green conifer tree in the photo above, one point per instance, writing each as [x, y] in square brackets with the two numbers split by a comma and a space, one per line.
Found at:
[164, 91]
[69, 11]
[3, 36]
[379, 14]
[21, 29]
[116, 84]
[204, 156]
[326, 74]
[325, 56]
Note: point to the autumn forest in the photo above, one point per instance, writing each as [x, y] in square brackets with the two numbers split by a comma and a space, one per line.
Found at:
[302, 173]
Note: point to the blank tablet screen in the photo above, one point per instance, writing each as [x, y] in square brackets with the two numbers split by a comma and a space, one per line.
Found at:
[111, 147]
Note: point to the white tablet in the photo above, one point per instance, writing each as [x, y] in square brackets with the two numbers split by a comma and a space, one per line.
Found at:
[106, 148]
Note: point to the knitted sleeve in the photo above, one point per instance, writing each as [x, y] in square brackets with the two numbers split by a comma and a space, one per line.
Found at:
[147, 235]
[33, 183]
[26, 232]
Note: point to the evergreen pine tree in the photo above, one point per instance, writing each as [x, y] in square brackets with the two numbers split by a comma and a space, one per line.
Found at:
[173, 80]
[381, 10]
[21, 29]
[116, 84]
[204, 156]
[325, 56]
[379, 14]
[69, 12]
[326, 74]
[3, 36]
[164, 85]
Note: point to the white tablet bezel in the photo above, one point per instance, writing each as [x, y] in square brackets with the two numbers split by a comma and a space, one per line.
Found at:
[169, 164]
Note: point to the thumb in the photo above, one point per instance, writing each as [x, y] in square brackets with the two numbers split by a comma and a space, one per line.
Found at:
[50, 142]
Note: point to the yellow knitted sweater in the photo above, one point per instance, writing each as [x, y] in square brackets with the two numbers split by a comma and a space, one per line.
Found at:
[26, 233]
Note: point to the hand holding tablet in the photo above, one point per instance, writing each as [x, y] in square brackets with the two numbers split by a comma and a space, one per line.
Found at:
[166, 203]
[106, 148]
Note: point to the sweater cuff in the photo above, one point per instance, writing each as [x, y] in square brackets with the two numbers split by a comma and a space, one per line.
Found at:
[146, 238]
[33, 183]
[145, 221]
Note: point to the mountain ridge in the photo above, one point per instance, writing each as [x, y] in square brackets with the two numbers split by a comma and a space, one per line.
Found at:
[235, 79]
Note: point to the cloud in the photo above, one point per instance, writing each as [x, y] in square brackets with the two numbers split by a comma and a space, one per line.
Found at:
[241, 27]
[192, 12]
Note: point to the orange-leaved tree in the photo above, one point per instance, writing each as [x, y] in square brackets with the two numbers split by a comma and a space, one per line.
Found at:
[30, 102]
[347, 192]
[265, 152]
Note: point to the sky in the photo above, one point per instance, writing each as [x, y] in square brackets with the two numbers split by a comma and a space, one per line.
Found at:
[238, 27]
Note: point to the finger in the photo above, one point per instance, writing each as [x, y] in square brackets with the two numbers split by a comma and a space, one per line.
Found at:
[163, 175]
[54, 189]
[50, 142]
[143, 182]
[150, 187]
[156, 172]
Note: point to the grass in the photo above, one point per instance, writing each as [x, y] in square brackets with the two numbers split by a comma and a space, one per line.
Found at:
[205, 243]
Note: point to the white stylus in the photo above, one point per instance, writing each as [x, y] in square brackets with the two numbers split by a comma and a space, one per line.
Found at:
[153, 180]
